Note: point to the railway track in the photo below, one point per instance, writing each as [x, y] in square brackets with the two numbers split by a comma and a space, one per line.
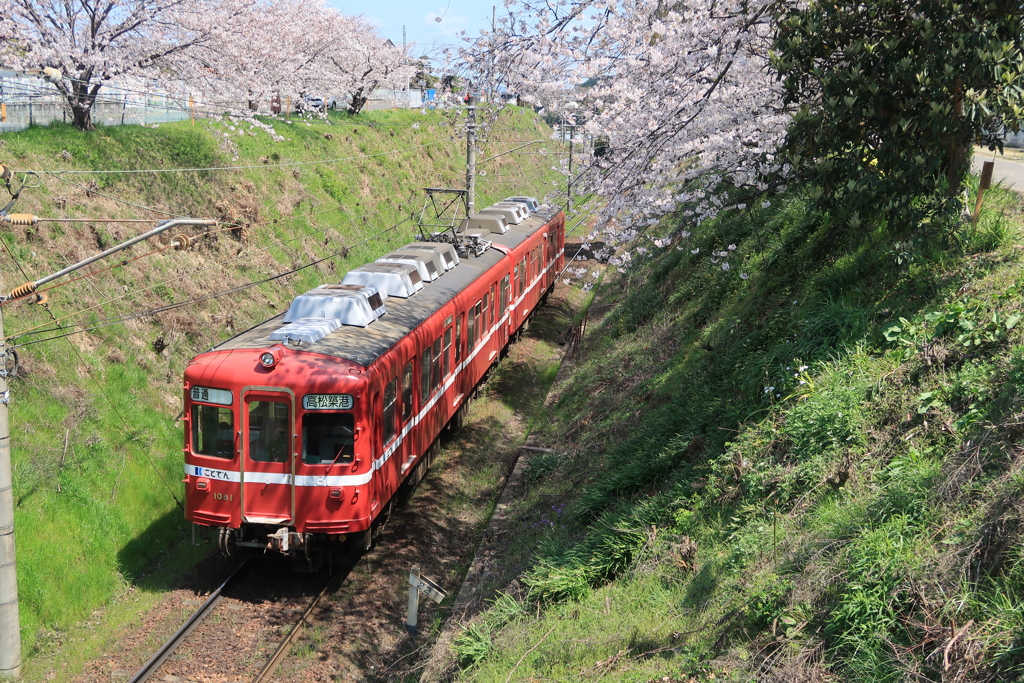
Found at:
[208, 607]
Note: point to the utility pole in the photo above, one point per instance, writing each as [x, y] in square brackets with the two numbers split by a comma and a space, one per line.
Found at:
[568, 187]
[10, 629]
[490, 68]
[471, 156]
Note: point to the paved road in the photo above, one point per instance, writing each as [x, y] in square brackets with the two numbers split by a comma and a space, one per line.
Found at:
[1010, 173]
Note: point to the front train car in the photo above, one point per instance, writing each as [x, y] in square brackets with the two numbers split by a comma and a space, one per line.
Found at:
[261, 424]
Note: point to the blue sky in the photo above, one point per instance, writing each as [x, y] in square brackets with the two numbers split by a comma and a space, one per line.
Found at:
[431, 25]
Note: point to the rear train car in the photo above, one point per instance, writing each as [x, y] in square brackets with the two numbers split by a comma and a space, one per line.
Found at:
[300, 431]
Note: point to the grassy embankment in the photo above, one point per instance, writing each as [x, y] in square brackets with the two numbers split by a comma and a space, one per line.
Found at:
[96, 440]
[803, 467]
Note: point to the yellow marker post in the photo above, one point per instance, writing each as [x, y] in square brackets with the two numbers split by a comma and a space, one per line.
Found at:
[3, 111]
[192, 110]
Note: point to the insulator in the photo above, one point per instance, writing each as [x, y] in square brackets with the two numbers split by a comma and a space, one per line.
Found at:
[42, 298]
[181, 242]
[22, 290]
[21, 219]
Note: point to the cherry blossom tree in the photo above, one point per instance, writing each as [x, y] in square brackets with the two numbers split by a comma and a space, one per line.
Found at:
[370, 62]
[682, 96]
[280, 48]
[230, 54]
[93, 43]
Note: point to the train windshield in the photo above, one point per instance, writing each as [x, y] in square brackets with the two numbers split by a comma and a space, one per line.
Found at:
[213, 431]
[327, 438]
[268, 431]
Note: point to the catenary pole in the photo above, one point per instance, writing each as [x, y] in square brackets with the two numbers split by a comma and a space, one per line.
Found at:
[471, 156]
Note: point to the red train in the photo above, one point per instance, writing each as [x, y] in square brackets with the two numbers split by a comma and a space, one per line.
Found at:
[302, 429]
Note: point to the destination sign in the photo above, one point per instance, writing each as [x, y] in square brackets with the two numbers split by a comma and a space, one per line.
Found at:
[210, 395]
[327, 402]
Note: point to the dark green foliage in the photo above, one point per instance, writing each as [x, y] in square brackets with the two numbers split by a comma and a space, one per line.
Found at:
[890, 95]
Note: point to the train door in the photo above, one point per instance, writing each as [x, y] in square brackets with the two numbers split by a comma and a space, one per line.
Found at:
[268, 462]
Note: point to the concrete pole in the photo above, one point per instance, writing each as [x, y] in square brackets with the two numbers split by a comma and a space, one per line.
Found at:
[10, 631]
[471, 156]
[568, 188]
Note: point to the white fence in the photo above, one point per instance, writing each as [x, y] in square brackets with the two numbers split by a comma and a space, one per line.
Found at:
[28, 100]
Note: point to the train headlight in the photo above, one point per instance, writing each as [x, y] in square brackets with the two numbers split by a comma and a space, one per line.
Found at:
[268, 360]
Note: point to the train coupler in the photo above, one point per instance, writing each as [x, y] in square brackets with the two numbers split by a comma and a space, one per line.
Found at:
[285, 541]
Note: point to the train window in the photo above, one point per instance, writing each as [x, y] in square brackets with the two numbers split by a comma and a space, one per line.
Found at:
[407, 392]
[446, 357]
[435, 367]
[390, 406]
[471, 330]
[268, 431]
[327, 438]
[213, 431]
[504, 294]
[458, 339]
[483, 314]
[522, 277]
[494, 303]
[424, 376]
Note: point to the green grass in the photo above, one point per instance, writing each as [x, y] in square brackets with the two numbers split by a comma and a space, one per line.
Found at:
[805, 473]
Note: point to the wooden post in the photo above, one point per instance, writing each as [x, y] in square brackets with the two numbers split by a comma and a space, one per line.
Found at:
[983, 184]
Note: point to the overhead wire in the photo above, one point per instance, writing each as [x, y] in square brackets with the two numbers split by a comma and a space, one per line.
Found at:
[219, 264]
[227, 227]
[98, 386]
[240, 255]
[153, 311]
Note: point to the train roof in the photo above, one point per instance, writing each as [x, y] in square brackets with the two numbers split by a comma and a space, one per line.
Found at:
[364, 345]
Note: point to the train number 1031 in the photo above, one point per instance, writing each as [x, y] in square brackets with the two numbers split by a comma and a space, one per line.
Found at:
[223, 496]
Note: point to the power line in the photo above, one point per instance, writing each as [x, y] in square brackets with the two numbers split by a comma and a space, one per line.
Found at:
[96, 383]
[33, 330]
[153, 311]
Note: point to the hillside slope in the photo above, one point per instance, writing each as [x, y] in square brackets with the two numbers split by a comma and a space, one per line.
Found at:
[96, 440]
[790, 452]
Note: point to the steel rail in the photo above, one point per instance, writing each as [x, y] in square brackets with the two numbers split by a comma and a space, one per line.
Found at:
[279, 654]
[154, 663]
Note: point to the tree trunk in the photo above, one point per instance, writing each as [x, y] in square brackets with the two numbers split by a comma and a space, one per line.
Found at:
[83, 118]
[358, 101]
[956, 169]
[958, 152]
